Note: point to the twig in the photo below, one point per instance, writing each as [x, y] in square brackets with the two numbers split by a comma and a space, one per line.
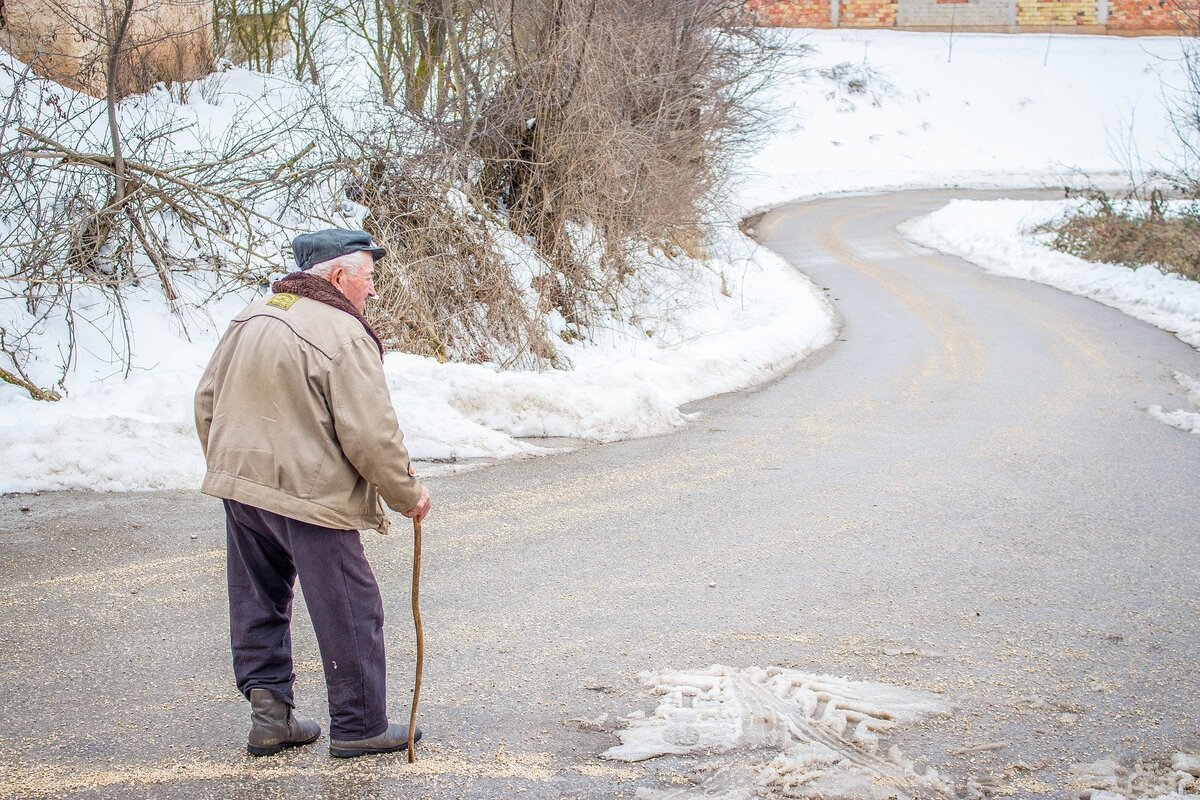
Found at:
[104, 162]
[980, 748]
[34, 391]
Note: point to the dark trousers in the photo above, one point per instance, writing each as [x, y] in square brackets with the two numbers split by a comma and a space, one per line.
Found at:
[266, 552]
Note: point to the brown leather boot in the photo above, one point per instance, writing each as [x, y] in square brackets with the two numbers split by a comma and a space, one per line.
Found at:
[273, 727]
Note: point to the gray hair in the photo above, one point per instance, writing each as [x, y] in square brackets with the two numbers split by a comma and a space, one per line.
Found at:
[351, 262]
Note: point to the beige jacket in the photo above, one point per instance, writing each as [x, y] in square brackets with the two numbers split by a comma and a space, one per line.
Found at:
[294, 417]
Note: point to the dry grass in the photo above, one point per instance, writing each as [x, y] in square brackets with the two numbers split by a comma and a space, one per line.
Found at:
[617, 115]
[1132, 235]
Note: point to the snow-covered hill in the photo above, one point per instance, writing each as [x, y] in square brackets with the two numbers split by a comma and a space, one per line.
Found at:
[874, 110]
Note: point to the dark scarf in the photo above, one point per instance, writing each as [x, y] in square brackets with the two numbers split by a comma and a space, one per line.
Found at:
[304, 284]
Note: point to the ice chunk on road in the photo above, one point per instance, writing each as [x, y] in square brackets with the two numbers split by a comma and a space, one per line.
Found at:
[826, 733]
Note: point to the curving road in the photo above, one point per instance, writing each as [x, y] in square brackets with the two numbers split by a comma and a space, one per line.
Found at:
[963, 493]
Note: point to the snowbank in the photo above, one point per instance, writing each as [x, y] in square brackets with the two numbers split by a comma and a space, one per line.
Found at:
[119, 434]
[621, 384]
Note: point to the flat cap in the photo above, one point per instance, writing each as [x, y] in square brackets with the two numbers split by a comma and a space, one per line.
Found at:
[310, 249]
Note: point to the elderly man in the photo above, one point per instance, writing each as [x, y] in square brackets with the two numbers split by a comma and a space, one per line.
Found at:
[302, 443]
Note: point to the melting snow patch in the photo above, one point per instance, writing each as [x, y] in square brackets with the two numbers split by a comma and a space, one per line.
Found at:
[1166, 779]
[805, 735]
[1188, 421]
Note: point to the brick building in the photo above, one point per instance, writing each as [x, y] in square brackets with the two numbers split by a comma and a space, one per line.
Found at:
[1125, 17]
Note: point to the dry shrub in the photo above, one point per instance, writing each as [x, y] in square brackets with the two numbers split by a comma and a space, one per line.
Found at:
[593, 129]
[446, 292]
[1132, 234]
[615, 115]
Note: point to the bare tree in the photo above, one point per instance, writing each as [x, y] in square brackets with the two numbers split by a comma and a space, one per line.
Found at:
[424, 50]
[68, 235]
[1184, 103]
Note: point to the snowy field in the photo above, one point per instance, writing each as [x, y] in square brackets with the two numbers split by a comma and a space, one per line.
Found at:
[877, 110]
[858, 111]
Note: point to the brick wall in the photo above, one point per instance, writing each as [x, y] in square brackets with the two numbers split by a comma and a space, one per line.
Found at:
[1123, 16]
[959, 14]
[1142, 15]
[792, 13]
[866, 13]
[1056, 12]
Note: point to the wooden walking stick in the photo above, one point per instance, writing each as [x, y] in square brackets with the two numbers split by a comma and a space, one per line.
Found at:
[416, 608]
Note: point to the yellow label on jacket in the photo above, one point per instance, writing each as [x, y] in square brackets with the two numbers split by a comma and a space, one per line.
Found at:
[283, 301]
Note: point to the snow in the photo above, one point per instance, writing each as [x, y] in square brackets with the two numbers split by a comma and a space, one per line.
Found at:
[994, 110]
[120, 434]
[795, 734]
[879, 110]
[745, 733]
[1173, 778]
[114, 433]
[1186, 762]
[1187, 421]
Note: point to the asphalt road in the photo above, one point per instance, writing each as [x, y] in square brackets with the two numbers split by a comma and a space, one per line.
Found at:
[963, 493]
